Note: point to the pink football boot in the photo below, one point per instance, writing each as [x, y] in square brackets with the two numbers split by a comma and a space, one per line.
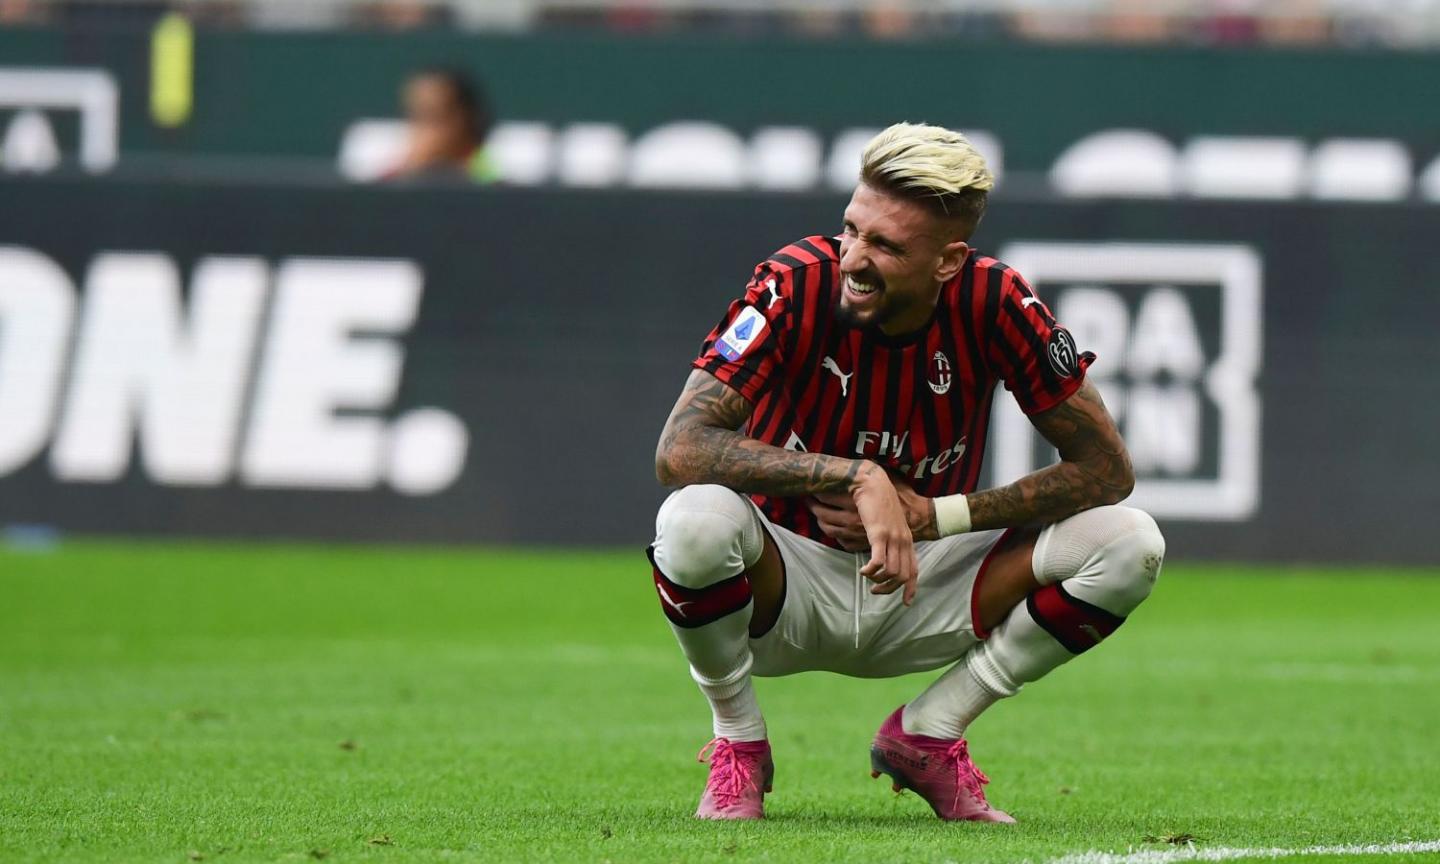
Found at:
[740, 774]
[937, 769]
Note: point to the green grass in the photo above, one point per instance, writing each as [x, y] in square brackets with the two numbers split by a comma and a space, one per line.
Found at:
[162, 701]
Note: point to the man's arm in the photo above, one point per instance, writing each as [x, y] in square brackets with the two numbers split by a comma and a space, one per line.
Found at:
[700, 444]
[1094, 469]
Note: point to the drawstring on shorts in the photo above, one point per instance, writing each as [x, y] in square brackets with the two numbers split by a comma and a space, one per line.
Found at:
[859, 595]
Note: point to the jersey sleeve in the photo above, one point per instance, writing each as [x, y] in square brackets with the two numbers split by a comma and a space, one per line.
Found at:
[1035, 356]
[746, 349]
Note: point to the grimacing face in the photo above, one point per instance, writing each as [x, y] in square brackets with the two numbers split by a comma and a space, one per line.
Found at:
[894, 256]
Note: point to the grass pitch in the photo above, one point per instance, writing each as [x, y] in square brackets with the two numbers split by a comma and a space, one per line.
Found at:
[169, 702]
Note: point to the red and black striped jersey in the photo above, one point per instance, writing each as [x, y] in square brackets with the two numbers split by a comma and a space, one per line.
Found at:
[918, 404]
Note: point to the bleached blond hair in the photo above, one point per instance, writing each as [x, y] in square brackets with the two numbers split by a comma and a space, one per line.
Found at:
[934, 166]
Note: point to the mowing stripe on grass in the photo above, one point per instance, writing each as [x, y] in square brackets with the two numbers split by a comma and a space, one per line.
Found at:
[1222, 853]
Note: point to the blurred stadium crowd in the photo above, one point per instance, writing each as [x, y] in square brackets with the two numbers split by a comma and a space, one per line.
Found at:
[1346, 23]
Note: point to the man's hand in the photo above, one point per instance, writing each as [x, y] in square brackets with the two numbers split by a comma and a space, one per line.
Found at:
[919, 510]
[839, 518]
[872, 517]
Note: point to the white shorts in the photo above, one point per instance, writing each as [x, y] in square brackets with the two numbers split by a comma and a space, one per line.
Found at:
[831, 622]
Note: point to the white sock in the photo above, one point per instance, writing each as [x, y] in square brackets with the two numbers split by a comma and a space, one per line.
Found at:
[947, 707]
[732, 703]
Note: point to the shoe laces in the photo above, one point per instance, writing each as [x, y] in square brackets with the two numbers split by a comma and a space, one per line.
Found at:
[967, 775]
[729, 773]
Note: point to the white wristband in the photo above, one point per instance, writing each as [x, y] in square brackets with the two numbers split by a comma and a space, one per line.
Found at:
[952, 515]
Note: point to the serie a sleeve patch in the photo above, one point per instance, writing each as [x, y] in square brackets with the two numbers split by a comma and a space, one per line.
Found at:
[744, 331]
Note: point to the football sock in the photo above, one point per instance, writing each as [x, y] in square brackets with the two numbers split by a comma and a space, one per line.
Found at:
[705, 539]
[949, 705]
[1094, 569]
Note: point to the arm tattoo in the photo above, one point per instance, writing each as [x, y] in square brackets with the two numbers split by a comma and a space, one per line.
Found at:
[700, 444]
[1094, 469]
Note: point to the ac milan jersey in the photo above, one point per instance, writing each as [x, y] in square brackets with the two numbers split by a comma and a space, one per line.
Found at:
[917, 404]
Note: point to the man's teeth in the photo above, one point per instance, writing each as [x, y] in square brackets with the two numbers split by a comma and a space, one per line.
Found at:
[859, 288]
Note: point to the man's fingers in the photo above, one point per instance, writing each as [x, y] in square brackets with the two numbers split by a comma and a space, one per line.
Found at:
[836, 508]
[912, 566]
[889, 586]
[876, 564]
[836, 500]
[837, 519]
[895, 560]
[850, 538]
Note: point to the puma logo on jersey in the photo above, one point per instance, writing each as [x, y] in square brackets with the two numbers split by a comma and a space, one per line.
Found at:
[774, 292]
[670, 601]
[829, 363]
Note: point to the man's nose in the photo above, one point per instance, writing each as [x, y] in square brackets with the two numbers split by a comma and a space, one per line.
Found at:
[852, 260]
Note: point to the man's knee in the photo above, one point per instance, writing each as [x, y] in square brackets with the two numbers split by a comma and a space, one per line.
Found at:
[705, 534]
[1117, 551]
[1134, 558]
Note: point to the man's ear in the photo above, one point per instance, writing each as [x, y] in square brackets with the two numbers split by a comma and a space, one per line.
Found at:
[952, 257]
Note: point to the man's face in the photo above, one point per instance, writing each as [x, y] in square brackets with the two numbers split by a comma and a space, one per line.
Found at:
[437, 125]
[894, 254]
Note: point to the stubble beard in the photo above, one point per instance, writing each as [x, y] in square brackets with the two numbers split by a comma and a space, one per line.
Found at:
[850, 317]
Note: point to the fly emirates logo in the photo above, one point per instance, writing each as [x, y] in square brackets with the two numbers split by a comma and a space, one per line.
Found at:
[272, 377]
[890, 448]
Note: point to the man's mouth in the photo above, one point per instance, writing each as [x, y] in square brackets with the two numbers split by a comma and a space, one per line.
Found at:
[860, 289]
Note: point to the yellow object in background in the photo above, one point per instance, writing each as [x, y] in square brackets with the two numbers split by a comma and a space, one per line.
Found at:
[172, 70]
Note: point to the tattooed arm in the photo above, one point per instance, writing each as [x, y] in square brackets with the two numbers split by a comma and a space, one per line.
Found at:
[1094, 469]
[700, 444]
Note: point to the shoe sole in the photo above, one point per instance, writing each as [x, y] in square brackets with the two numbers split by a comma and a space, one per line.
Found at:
[880, 765]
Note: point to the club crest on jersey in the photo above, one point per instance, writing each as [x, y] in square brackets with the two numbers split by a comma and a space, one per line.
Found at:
[745, 330]
[1064, 357]
[939, 376]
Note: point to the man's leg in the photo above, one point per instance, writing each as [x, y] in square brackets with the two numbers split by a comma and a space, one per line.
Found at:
[719, 579]
[1078, 580]
[1048, 598]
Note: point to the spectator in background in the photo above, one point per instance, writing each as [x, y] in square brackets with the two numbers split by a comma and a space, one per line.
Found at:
[19, 11]
[448, 118]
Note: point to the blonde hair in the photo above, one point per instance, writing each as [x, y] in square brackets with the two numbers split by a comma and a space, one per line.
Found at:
[931, 165]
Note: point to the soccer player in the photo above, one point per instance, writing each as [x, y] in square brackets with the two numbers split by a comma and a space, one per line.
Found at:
[860, 369]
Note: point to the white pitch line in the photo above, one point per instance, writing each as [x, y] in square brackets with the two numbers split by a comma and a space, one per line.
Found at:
[1223, 853]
